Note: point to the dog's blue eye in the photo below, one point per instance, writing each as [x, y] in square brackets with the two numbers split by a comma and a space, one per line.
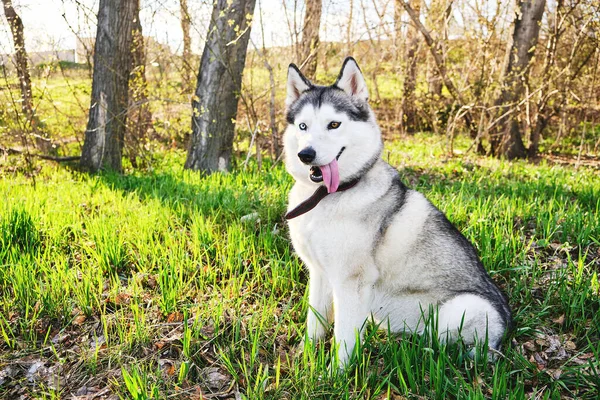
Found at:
[302, 126]
[334, 125]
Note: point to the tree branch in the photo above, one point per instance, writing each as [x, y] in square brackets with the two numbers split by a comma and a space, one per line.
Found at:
[10, 151]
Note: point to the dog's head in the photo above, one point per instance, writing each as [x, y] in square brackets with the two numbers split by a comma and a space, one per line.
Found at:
[332, 135]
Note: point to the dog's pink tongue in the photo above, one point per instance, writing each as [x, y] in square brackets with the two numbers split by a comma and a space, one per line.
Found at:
[331, 176]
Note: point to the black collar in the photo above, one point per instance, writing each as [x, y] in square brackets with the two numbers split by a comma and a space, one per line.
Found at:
[317, 196]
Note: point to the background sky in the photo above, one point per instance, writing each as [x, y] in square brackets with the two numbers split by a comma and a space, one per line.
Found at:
[54, 24]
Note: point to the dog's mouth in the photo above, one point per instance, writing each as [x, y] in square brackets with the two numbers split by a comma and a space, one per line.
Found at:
[327, 173]
[316, 175]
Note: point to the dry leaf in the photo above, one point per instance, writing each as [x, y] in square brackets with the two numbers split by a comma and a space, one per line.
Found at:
[98, 343]
[175, 316]
[167, 367]
[197, 394]
[7, 374]
[150, 281]
[37, 371]
[214, 378]
[60, 338]
[538, 360]
[122, 298]
[569, 345]
[529, 346]
[554, 373]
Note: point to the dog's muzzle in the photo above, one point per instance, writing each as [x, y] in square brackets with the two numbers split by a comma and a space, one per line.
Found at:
[315, 172]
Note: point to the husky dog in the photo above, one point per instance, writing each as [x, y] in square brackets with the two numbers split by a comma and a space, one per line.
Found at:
[374, 248]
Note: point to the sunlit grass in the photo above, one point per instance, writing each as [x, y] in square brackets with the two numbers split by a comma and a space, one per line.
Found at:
[152, 285]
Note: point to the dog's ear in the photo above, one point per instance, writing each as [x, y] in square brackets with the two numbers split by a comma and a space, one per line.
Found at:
[351, 80]
[296, 85]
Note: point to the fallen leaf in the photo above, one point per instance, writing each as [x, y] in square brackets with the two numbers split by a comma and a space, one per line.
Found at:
[554, 373]
[37, 371]
[197, 394]
[122, 298]
[98, 343]
[7, 374]
[538, 360]
[529, 346]
[53, 377]
[150, 282]
[175, 316]
[60, 338]
[250, 217]
[214, 378]
[167, 367]
[569, 345]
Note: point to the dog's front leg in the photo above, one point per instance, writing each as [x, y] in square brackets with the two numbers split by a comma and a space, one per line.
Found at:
[352, 302]
[320, 300]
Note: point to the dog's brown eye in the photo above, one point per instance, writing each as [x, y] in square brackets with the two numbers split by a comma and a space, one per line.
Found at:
[334, 125]
[302, 126]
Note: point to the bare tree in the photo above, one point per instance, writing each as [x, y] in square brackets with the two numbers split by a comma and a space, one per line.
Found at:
[112, 66]
[408, 110]
[187, 47]
[214, 105]
[437, 19]
[139, 118]
[397, 42]
[434, 49]
[506, 140]
[349, 46]
[16, 29]
[310, 37]
[562, 67]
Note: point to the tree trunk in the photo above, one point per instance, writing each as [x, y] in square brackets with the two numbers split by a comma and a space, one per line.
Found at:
[434, 49]
[187, 47]
[16, 29]
[139, 118]
[437, 20]
[349, 45]
[506, 140]
[112, 66]
[543, 114]
[398, 12]
[408, 120]
[214, 107]
[310, 37]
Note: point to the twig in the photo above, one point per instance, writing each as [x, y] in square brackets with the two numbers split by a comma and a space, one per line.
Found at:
[42, 156]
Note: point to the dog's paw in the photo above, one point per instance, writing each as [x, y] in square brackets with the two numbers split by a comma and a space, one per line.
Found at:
[477, 353]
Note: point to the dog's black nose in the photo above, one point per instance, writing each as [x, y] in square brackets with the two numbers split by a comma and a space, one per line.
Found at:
[307, 155]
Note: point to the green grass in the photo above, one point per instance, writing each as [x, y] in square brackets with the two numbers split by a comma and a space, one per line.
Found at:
[149, 285]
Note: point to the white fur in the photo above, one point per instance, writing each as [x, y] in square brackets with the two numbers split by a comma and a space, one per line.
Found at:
[335, 240]
[352, 81]
[295, 86]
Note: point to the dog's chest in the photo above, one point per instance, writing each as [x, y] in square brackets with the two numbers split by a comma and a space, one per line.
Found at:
[324, 238]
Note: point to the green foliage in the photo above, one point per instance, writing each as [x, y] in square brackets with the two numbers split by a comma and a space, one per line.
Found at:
[152, 283]
[18, 231]
[61, 65]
